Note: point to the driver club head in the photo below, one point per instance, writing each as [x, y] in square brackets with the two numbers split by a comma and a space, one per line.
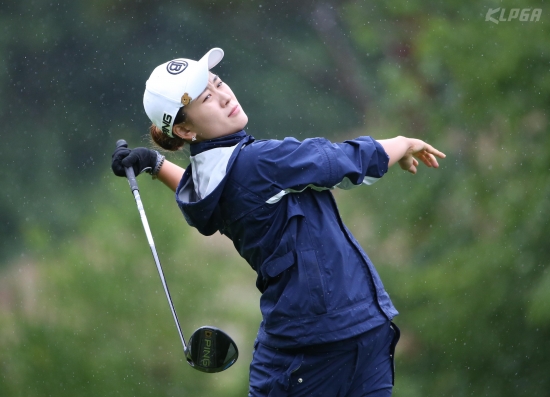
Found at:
[211, 350]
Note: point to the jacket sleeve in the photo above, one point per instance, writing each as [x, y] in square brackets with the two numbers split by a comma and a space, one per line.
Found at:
[318, 163]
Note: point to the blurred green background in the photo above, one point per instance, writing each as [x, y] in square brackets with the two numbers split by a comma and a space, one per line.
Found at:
[462, 250]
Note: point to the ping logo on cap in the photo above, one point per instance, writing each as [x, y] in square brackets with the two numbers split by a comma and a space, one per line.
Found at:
[166, 121]
[176, 67]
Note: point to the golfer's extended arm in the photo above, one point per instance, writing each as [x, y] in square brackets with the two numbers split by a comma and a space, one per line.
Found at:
[396, 148]
[170, 174]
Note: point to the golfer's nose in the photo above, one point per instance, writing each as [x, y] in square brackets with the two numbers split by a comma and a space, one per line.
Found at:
[225, 98]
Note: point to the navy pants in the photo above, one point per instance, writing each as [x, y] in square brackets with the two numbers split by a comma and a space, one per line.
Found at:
[358, 367]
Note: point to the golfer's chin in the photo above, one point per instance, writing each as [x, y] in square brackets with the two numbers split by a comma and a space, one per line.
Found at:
[241, 119]
[239, 122]
[224, 127]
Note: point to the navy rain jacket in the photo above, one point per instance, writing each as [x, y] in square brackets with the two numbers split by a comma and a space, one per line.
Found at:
[272, 199]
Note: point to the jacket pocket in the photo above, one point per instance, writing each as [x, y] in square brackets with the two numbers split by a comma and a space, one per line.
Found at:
[309, 266]
[278, 265]
[306, 281]
[294, 291]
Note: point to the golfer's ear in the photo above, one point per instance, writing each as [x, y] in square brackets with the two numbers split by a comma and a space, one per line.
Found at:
[182, 131]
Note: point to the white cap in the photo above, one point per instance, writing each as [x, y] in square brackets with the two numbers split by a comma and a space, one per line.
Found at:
[174, 84]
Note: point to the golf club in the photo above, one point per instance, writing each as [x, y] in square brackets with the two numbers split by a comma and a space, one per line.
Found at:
[210, 349]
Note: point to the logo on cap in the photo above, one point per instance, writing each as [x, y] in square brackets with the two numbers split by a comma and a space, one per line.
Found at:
[166, 121]
[185, 99]
[176, 67]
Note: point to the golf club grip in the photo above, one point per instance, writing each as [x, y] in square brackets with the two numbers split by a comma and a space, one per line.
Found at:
[129, 170]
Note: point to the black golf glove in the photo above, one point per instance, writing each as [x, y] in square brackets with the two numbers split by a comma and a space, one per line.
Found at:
[140, 159]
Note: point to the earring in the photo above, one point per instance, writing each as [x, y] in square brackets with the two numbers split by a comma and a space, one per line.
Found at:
[194, 138]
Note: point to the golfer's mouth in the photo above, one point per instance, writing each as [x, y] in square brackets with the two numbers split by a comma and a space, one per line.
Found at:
[235, 110]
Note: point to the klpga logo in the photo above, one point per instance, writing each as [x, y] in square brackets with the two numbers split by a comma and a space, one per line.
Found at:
[524, 15]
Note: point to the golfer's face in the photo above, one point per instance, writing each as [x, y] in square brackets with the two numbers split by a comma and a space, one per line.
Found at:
[216, 112]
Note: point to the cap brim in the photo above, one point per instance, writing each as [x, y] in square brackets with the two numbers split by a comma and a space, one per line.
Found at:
[212, 57]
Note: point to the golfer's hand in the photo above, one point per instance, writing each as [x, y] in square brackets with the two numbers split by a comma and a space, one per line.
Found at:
[140, 159]
[420, 150]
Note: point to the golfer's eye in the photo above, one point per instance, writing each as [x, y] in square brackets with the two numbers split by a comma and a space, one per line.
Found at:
[206, 97]
[219, 84]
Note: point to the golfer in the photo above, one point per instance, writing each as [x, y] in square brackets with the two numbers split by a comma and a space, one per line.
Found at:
[327, 320]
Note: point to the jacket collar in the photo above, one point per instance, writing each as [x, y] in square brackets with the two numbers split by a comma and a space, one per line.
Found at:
[223, 141]
[204, 214]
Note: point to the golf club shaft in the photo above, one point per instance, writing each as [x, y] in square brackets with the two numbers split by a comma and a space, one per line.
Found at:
[135, 190]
